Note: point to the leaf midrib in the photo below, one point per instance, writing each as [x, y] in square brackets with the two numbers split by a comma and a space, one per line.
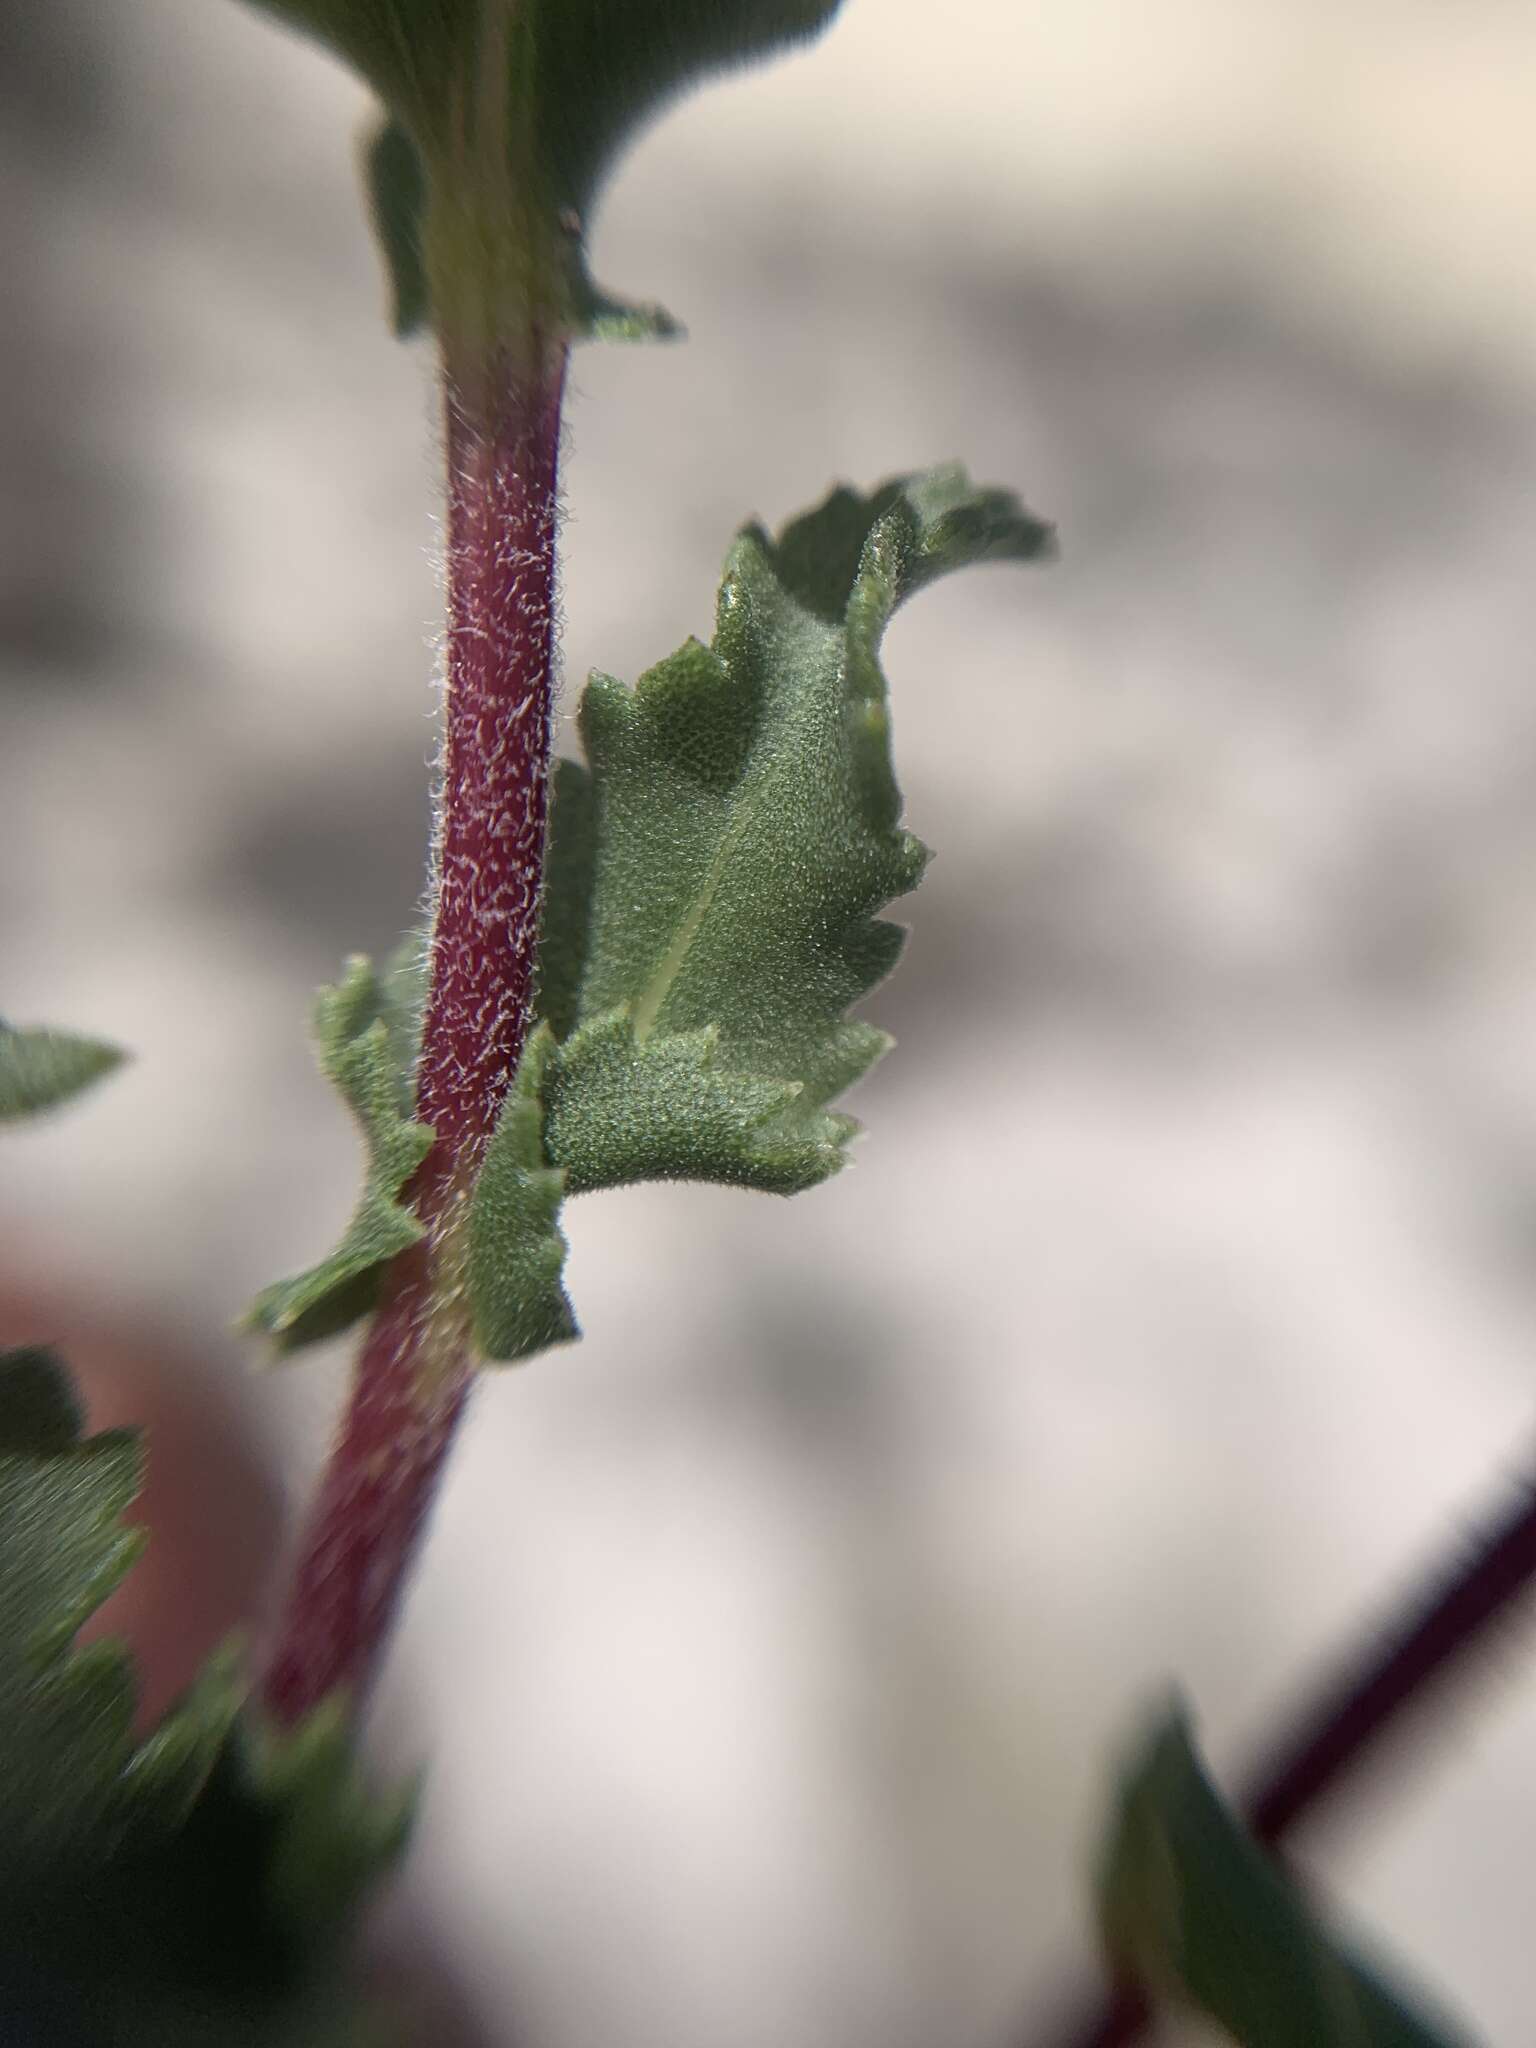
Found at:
[746, 806]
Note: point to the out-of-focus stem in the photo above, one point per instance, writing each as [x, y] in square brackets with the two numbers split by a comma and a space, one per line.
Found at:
[415, 1368]
[1338, 1733]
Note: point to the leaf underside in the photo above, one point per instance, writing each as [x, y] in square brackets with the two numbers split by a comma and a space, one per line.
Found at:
[562, 84]
[716, 870]
[396, 187]
[1196, 1914]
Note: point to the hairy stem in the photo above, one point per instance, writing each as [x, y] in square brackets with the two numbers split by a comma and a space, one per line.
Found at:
[414, 1372]
[1340, 1730]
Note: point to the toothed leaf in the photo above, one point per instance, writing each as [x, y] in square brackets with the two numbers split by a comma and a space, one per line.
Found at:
[74, 1781]
[516, 1251]
[402, 999]
[189, 1889]
[619, 1109]
[504, 118]
[364, 1033]
[717, 870]
[1196, 1914]
[40, 1068]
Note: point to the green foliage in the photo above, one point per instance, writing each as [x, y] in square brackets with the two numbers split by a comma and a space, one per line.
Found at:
[75, 1782]
[397, 192]
[504, 118]
[364, 1031]
[330, 1836]
[570, 868]
[619, 1108]
[516, 1251]
[1198, 1915]
[710, 921]
[711, 909]
[40, 1068]
[192, 1889]
[715, 873]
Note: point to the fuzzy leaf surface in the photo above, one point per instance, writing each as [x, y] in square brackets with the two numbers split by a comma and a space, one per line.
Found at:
[505, 116]
[363, 1030]
[717, 869]
[1199, 1916]
[620, 1109]
[191, 1889]
[516, 1251]
[40, 1068]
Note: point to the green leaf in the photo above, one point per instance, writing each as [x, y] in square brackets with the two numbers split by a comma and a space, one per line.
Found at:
[710, 899]
[41, 1068]
[231, 1930]
[504, 120]
[364, 1031]
[193, 1889]
[1196, 1914]
[74, 1782]
[621, 1109]
[397, 194]
[716, 874]
[332, 1835]
[516, 1251]
[402, 1001]
[570, 868]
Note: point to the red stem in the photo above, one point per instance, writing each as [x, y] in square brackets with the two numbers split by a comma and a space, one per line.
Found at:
[414, 1372]
[493, 803]
[1341, 1729]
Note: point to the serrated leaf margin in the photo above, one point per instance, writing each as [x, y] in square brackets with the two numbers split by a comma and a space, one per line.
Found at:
[360, 1040]
[620, 1109]
[147, 1786]
[516, 1250]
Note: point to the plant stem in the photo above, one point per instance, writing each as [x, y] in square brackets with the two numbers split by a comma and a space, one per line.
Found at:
[1340, 1730]
[503, 450]
[414, 1372]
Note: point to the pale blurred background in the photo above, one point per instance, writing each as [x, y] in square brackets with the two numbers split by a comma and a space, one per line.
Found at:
[772, 1648]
